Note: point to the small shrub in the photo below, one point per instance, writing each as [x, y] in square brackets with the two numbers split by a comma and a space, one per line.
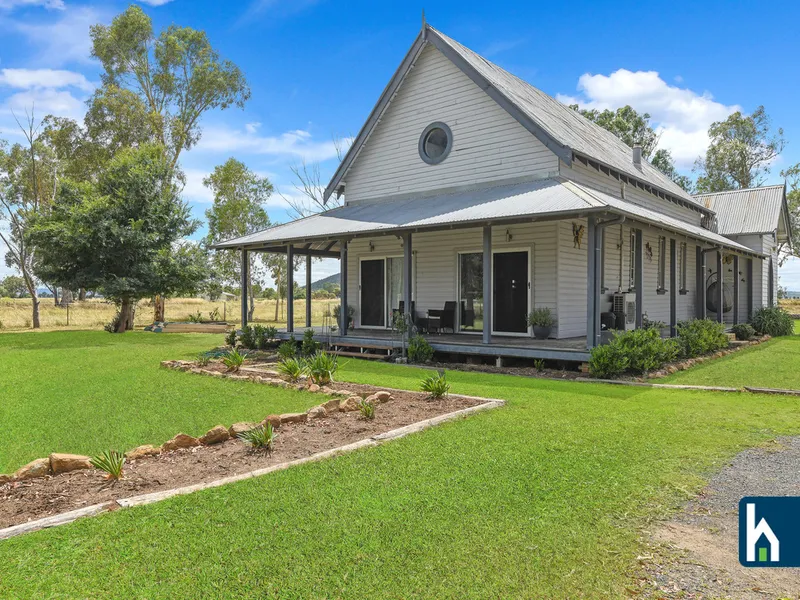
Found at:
[337, 313]
[287, 350]
[260, 438]
[436, 385]
[234, 360]
[230, 338]
[214, 315]
[700, 336]
[309, 346]
[744, 332]
[772, 321]
[248, 338]
[111, 462]
[203, 359]
[367, 409]
[541, 317]
[195, 318]
[538, 364]
[419, 350]
[270, 332]
[608, 361]
[322, 367]
[291, 368]
[648, 324]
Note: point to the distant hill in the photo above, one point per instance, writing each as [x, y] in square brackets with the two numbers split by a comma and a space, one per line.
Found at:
[318, 285]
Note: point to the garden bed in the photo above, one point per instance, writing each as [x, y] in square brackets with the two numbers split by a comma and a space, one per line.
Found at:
[27, 500]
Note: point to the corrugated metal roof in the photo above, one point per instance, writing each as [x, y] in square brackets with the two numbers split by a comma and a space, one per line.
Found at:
[504, 201]
[658, 219]
[754, 210]
[548, 197]
[566, 125]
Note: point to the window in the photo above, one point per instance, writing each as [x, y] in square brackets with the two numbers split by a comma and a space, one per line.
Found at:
[632, 262]
[435, 143]
[470, 278]
[662, 264]
[682, 266]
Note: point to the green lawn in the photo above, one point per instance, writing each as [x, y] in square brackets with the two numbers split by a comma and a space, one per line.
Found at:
[771, 364]
[545, 497]
[86, 392]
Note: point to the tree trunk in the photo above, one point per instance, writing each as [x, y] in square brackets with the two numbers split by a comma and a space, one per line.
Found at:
[55, 295]
[66, 297]
[31, 285]
[81, 294]
[160, 308]
[126, 314]
[252, 308]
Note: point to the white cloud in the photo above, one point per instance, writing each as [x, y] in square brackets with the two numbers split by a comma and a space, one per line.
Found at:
[44, 78]
[194, 190]
[63, 41]
[252, 128]
[297, 143]
[49, 4]
[46, 101]
[680, 115]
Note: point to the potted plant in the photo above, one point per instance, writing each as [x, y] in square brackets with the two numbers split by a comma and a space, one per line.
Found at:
[541, 319]
[351, 311]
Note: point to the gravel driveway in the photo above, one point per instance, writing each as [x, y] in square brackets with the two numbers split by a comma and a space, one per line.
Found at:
[695, 555]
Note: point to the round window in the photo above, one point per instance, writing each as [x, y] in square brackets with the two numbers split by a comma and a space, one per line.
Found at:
[435, 143]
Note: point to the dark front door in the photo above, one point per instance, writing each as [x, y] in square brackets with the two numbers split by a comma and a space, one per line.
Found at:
[372, 293]
[510, 291]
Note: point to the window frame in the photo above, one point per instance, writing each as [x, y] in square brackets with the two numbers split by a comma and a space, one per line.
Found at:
[682, 265]
[422, 139]
[661, 282]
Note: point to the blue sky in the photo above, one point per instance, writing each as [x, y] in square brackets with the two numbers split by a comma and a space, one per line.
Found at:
[317, 67]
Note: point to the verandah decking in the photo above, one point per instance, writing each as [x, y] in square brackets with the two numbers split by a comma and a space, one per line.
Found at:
[468, 344]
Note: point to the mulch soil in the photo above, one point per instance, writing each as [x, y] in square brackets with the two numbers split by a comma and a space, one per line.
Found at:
[32, 499]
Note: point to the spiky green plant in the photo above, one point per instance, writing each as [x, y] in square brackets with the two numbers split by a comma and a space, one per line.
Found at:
[234, 360]
[538, 364]
[203, 359]
[291, 368]
[436, 385]
[367, 409]
[110, 462]
[322, 367]
[260, 438]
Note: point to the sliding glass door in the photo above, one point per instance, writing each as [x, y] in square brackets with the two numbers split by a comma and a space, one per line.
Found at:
[381, 290]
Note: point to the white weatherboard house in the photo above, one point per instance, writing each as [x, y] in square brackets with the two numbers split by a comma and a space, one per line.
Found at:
[471, 198]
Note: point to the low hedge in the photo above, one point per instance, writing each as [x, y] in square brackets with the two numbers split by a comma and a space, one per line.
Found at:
[644, 350]
[701, 336]
[772, 321]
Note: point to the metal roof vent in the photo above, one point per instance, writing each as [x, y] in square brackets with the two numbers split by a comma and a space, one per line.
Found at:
[637, 155]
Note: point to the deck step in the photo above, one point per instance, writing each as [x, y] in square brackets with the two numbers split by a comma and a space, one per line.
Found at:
[360, 345]
[367, 355]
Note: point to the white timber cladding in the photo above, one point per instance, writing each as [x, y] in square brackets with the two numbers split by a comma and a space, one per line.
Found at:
[592, 177]
[615, 276]
[766, 244]
[489, 145]
[436, 262]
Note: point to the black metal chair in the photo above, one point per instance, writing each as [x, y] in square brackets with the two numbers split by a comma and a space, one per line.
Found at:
[447, 316]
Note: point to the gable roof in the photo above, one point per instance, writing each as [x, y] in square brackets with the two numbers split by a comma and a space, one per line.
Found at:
[564, 131]
[749, 211]
[541, 199]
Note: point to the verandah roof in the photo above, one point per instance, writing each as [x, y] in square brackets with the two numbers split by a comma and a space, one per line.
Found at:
[552, 198]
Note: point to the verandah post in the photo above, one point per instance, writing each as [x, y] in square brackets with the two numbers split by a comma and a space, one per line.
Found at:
[591, 277]
[735, 289]
[308, 290]
[720, 295]
[343, 316]
[245, 267]
[290, 288]
[487, 284]
[638, 277]
[673, 288]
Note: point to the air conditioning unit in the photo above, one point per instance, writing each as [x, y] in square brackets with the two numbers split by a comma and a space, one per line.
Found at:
[625, 305]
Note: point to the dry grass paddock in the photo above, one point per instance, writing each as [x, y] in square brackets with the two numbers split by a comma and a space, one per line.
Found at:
[15, 313]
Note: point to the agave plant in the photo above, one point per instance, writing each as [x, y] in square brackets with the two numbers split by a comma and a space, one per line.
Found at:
[291, 368]
[436, 385]
[367, 409]
[322, 367]
[260, 438]
[111, 462]
[234, 360]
